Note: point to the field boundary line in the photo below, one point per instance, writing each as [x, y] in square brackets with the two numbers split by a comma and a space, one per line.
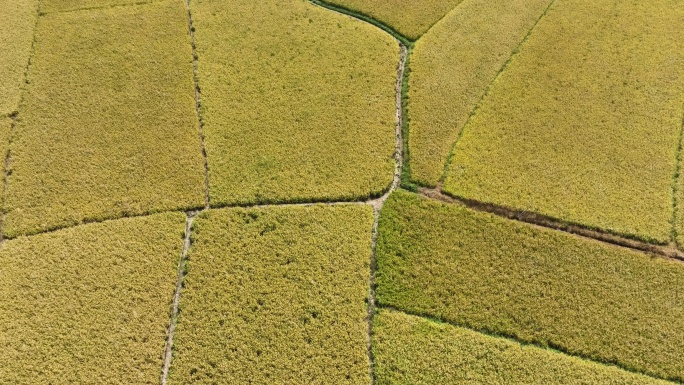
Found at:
[102, 8]
[488, 90]
[14, 116]
[551, 347]
[441, 18]
[200, 120]
[675, 185]
[173, 317]
[550, 223]
[365, 18]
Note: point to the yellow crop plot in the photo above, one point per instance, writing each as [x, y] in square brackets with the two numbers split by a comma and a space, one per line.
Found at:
[89, 304]
[108, 127]
[50, 6]
[17, 21]
[298, 102]
[413, 350]
[451, 68]
[408, 17]
[276, 295]
[587, 298]
[583, 125]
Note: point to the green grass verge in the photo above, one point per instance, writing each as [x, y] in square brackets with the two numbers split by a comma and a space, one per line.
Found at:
[17, 21]
[276, 295]
[297, 101]
[540, 286]
[410, 18]
[583, 125]
[108, 127]
[51, 6]
[89, 304]
[451, 68]
[414, 350]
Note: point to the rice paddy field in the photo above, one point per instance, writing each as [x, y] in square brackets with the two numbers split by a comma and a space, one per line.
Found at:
[342, 192]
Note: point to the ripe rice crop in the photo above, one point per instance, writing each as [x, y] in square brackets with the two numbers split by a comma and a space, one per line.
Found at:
[297, 101]
[276, 295]
[583, 125]
[413, 350]
[89, 304]
[541, 286]
[410, 18]
[17, 20]
[451, 68]
[108, 127]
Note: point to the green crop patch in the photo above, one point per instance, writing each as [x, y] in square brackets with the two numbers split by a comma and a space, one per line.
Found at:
[17, 21]
[410, 18]
[413, 350]
[276, 296]
[537, 285]
[51, 6]
[89, 304]
[108, 127]
[297, 101]
[5, 129]
[451, 68]
[583, 125]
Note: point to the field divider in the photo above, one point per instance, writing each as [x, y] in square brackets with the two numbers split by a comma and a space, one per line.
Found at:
[14, 116]
[675, 186]
[488, 90]
[173, 319]
[540, 220]
[511, 338]
[101, 8]
[191, 30]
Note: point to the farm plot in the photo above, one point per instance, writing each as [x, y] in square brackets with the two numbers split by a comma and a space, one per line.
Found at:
[51, 6]
[451, 68]
[583, 125]
[550, 288]
[410, 18]
[17, 21]
[108, 127]
[297, 101]
[413, 350]
[89, 304]
[276, 295]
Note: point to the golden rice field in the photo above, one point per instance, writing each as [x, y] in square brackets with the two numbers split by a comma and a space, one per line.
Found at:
[342, 192]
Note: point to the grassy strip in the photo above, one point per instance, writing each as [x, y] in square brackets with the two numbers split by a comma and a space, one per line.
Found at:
[17, 22]
[108, 126]
[583, 125]
[276, 295]
[89, 304]
[537, 285]
[452, 66]
[413, 350]
[409, 18]
[678, 192]
[302, 115]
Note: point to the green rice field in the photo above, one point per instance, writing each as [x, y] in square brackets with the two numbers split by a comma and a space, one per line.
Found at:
[379, 192]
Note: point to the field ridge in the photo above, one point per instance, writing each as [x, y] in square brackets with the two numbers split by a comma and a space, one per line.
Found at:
[669, 251]
[200, 120]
